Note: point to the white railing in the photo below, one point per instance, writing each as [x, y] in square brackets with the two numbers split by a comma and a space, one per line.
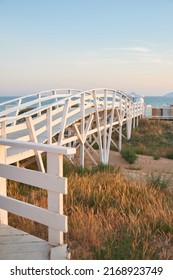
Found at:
[52, 181]
[97, 111]
[13, 107]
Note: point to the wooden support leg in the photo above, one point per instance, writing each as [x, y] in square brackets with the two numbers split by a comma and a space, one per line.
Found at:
[120, 137]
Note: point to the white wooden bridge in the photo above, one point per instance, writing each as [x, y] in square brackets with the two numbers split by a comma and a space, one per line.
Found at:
[56, 122]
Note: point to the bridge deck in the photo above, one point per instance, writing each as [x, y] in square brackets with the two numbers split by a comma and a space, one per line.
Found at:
[19, 245]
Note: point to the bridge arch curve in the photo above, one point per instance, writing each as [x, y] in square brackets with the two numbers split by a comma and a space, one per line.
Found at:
[70, 117]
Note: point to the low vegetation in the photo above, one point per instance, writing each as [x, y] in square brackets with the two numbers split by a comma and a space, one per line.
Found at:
[110, 216]
[129, 154]
[152, 137]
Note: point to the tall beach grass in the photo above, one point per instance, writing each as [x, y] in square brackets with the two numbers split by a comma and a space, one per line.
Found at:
[109, 216]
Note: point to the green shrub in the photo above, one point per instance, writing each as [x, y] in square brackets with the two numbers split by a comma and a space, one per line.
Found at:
[156, 156]
[101, 167]
[169, 155]
[129, 154]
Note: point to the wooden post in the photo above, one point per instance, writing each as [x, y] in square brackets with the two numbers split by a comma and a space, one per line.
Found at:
[49, 125]
[82, 146]
[55, 201]
[129, 119]
[3, 187]
[120, 125]
[105, 129]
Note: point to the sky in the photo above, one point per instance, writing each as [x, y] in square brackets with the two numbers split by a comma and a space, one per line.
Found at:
[84, 44]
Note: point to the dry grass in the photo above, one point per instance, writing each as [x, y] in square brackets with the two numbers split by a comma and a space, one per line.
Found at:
[110, 217]
[113, 218]
[152, 137]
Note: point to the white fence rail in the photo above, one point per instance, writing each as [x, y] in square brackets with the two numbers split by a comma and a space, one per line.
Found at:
[72, 116]
[52, 181]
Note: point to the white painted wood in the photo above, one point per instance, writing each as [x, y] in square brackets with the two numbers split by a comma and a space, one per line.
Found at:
[88, 125]
[39, 255]
[33, 138]
[110, 129]
[105, 130]
[37, 146]
[49, 125]
[55, 201]
[82, 146]
[3, 188]
[63, 121]
[98, 126]
[34, 178]
[3, 129]
[59, 253]
[90, 156]
[16, 244]
[92, 149]
[35, 213]
[99, 103]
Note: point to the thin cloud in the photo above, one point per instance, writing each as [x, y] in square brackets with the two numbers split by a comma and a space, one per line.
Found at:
[137, 49]
[129, 49]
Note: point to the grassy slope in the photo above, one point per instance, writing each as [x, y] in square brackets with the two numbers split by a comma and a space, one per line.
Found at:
[111, 217]
[153, 137]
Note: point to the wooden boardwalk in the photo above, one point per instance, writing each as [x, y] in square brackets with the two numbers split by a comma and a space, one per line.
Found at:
[56, 123]
[80, 120]
[19, 245]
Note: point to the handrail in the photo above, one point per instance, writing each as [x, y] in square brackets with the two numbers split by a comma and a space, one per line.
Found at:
[52, 181]
[59, 150]
[45, 107]
[88, 107]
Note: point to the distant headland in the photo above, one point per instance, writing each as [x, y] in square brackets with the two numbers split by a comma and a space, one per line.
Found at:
[170, 94]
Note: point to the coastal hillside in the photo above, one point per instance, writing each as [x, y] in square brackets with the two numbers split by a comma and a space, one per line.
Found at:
[170, 94]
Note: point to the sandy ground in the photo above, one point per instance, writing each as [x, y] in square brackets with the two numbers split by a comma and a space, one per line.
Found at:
[143, 163]
[143, 166]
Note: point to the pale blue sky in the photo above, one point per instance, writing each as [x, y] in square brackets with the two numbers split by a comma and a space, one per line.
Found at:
[83, 44]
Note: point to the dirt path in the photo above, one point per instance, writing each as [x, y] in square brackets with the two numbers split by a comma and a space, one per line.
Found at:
[144, 163]
[143, 166]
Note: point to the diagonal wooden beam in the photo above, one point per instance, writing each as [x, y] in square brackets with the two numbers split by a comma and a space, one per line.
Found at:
[88, 126]
[63, 122]
[33, 137]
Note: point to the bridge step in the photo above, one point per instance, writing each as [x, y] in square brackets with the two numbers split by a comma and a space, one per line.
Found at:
[19, 245]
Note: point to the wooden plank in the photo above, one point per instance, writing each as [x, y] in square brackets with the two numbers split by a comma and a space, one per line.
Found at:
[38, 146]
[6, 230]
[24, 247]
[20, 155]
[18, 238]
[16, 244]
[17, 127]
[35, 213]
[34, 178]
[43, 255]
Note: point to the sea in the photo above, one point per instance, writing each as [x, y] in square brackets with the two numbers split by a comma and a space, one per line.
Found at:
[154, 101]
